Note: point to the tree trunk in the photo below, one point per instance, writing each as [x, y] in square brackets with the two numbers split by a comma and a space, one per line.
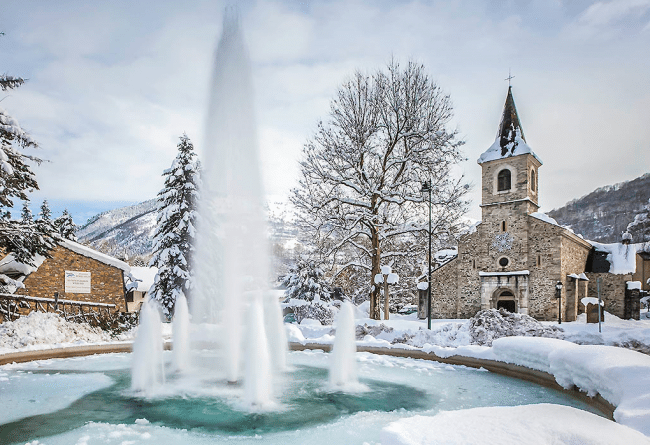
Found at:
[375, 294]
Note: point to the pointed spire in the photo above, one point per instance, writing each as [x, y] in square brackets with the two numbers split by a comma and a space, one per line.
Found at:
[510, 127]
[510, 140]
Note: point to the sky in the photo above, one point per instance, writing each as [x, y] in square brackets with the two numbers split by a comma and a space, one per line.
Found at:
[112, 85]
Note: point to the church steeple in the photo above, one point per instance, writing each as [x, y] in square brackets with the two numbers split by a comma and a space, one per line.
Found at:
[510, 169]
[510, 140]
[510, 127]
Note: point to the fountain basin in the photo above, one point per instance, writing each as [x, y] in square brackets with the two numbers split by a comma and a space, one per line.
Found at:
[399, 387]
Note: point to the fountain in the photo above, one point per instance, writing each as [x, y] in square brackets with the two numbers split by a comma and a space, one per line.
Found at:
[180, 337]
[343, 363]
[147, 370]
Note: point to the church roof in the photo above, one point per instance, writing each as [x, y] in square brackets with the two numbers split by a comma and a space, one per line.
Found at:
[510, 140]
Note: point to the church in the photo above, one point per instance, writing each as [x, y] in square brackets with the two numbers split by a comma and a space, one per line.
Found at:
[521, 260]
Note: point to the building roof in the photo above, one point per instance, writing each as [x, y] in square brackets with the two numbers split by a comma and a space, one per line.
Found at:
[510, 140]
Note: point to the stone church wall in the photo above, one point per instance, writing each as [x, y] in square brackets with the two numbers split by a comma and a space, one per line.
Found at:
[544, 263]
[107, 282]
[612, 291]
[444, 289]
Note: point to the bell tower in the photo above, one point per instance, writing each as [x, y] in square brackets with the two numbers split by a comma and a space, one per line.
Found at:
[510, 169]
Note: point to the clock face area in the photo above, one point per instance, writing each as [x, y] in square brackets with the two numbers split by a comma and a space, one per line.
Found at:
[503, 242]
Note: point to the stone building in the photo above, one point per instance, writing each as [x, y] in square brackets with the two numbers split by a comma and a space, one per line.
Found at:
[515, 257]
[75, 271]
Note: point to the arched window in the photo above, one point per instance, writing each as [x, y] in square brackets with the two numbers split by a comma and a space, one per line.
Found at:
[503, 180]
[532, 180]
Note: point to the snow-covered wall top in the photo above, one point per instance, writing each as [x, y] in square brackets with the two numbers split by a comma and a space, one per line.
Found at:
[91, 253]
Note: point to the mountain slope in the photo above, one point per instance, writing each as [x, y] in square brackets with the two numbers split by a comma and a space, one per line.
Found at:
[603, 215]
[126, 232]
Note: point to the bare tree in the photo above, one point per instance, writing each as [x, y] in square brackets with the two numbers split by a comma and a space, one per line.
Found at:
[362, 172]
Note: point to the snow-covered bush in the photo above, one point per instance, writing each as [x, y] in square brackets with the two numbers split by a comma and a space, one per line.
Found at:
[308, 293]
[488, 325]
[315, 311]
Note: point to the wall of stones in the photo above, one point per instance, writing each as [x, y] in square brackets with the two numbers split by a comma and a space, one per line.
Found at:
[574, 260]
[544, 264]
[612, 290]
[107, 282]
[444, 290]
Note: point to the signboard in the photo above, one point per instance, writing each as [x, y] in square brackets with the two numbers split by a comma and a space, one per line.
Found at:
[77, 282]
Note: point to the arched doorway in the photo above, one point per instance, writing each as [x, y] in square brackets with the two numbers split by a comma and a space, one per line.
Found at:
[506, 300]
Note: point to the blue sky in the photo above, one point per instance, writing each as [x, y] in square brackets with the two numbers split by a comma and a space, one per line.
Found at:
[112, 85]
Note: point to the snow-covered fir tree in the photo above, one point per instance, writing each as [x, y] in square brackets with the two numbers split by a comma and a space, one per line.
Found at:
[173, 242]
[20, 238]
[312, 295]
[26, 214]
[65, 226]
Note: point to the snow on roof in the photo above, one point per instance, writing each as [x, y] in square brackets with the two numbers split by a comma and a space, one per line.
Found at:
[9, 265]
[621, 257]
[515, 148]
[91, 253]
[544, 217]
[145, 275]
[591, 300]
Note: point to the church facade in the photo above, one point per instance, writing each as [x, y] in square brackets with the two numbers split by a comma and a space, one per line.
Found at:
[515, 257]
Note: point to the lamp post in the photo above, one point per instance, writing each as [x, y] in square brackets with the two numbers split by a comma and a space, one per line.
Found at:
[426, 187]
[558, 295]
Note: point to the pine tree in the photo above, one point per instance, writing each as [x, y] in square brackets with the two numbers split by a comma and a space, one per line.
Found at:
[21, 238]
[26, 214]
[307, 282]
[173, 241]
[65, 226]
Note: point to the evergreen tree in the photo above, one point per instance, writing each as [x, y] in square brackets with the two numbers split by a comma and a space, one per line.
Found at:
[173, 241]
[26, 214]
[45, 214]
[65, 226]
[21, 238]
[307, 282]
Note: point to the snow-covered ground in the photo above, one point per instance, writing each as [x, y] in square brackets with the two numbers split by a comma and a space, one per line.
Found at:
[620, 375]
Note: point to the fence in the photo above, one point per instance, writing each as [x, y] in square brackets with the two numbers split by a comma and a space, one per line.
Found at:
[12, 306]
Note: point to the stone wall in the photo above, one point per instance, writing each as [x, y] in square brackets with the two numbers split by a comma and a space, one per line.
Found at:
[107, 282]
[444, 290]
[612, 291]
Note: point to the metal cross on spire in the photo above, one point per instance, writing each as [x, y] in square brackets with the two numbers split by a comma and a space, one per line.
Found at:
[509, 78]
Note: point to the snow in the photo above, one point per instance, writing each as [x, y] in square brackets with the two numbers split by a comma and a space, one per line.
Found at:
[379, 278]
[634, 285]
[91, 253]
[145, 276]
[385, 270]
[621, 257]
[423, 285]
[591, 300]
[9, 265]
[501, 274]
[40, 330]
[544, 217]
[392, 278]
[519, 147]
[528, 424]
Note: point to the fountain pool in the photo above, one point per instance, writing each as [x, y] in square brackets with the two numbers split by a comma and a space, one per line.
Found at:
[89, 400]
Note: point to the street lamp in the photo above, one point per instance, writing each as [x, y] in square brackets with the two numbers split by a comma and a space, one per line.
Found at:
[558, 295]
[426, 187]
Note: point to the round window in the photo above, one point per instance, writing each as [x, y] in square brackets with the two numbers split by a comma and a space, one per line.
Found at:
[503, 261]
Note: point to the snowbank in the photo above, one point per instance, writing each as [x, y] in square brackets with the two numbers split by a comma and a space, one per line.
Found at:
[38, 330]
[620, 376]
[539, 424]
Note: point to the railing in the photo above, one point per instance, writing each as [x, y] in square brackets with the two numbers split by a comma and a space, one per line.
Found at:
[12, 306]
